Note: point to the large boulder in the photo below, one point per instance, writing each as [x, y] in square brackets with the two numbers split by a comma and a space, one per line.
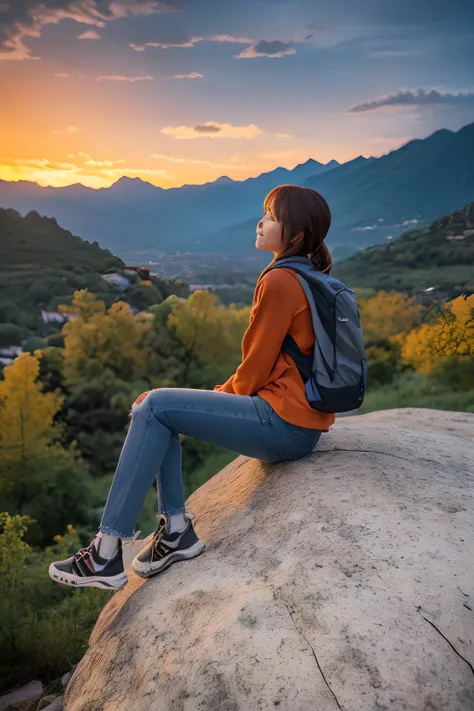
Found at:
[342, 580]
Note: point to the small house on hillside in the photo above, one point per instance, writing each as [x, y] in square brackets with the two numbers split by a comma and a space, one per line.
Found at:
[123, 282]
[56, 317]
[9, 353]
[117, 280]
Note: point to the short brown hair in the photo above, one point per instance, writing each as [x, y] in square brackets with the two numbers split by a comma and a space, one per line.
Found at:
[301, 210]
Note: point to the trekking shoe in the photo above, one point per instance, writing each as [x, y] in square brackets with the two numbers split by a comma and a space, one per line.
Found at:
[87, 569]
[166, 548]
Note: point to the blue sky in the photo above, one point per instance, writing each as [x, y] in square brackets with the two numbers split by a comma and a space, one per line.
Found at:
[183, 91]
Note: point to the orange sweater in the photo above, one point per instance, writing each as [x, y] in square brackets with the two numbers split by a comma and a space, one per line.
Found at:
[279, 307]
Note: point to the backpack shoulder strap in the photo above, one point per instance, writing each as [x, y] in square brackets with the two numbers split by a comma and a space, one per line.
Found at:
[307, 274]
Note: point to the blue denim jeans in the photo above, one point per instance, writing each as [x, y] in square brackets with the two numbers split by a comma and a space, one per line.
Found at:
[245, 424]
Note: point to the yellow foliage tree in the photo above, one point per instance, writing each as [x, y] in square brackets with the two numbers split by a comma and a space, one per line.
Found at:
[450, 333]
[27, 430]
[204, 328]
[99, 340]
[388, 313]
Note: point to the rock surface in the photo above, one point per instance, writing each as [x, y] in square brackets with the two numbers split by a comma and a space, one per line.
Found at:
[55, 705]
[343, 580]
[23, 698]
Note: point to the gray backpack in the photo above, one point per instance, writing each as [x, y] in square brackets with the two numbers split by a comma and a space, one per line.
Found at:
[335, 377]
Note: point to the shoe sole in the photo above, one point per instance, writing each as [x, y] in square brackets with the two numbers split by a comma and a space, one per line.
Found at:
[145, 570]
[114, 582]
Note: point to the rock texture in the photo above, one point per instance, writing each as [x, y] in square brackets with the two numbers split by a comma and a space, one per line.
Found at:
[23, 699]
[343, 580]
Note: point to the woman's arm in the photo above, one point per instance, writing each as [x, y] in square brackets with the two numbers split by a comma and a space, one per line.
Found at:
[276, 301]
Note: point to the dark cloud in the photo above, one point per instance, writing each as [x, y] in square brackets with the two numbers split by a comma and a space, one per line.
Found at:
[209, 128]
[263, 48]
[27, 17]
[415, 97]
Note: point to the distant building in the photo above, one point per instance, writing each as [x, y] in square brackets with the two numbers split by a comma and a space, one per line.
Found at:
[8, 354]
[123, 282]
[117, 280]
[56, 317]
[11, 351]
[142, 272]
[193, 287]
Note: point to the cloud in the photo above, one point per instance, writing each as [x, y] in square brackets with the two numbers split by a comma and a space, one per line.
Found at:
[191, 42]
[69, 129]
[90, 35]
[211, 129]
[100, 163]
[207, 128]
[273, 49]
[263, 48]
[61, 75]
[23, 18]
[116, 77]
[193, 75]
[414, 97]
[42, 163]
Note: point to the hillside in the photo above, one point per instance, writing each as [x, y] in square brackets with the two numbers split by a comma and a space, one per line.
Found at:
[35, 241]
[42, 264]
[440, 256]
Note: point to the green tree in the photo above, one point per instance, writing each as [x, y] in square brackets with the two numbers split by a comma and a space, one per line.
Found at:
[10, 335]
[44, 627]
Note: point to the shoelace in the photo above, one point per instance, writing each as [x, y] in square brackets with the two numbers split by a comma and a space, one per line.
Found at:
[84, 552]
[157, 537]
[160, 532]
[86, 555]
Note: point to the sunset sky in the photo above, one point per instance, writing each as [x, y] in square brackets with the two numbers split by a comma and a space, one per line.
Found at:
[184, 91]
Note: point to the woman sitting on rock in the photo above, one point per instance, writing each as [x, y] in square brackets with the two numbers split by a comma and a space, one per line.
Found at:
[261, 411]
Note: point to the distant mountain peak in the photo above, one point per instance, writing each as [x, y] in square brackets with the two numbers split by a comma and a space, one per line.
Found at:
[132, 186]
[223, 180]
[125, 180]
[311, 161]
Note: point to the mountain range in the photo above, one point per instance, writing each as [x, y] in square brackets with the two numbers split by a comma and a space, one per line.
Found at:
[371, 199]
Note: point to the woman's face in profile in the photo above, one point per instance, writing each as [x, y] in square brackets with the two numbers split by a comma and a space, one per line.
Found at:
[269, 234]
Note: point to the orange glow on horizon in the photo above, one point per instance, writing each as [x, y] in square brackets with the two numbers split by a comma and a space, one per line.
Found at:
[172, 172]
